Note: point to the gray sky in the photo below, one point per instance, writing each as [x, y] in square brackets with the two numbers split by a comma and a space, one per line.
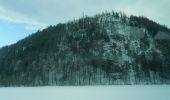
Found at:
[37, 14]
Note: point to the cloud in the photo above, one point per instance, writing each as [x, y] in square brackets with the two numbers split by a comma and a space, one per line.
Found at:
[41, 13]
[15, 17]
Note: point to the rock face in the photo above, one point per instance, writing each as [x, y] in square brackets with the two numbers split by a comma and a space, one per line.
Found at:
[108, 48]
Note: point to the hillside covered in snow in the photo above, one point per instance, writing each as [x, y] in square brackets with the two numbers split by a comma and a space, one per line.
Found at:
[108, 48]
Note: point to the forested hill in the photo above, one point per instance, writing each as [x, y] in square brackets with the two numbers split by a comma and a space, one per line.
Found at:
[108, 48]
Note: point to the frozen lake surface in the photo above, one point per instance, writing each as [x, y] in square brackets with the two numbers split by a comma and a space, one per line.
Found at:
[124, 92]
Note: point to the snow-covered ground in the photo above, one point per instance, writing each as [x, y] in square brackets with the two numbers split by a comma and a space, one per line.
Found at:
[150, 92]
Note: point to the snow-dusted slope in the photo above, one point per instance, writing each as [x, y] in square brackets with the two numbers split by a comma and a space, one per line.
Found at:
[109, 48]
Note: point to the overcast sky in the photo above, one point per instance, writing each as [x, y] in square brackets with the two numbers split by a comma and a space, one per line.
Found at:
[19, 18]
